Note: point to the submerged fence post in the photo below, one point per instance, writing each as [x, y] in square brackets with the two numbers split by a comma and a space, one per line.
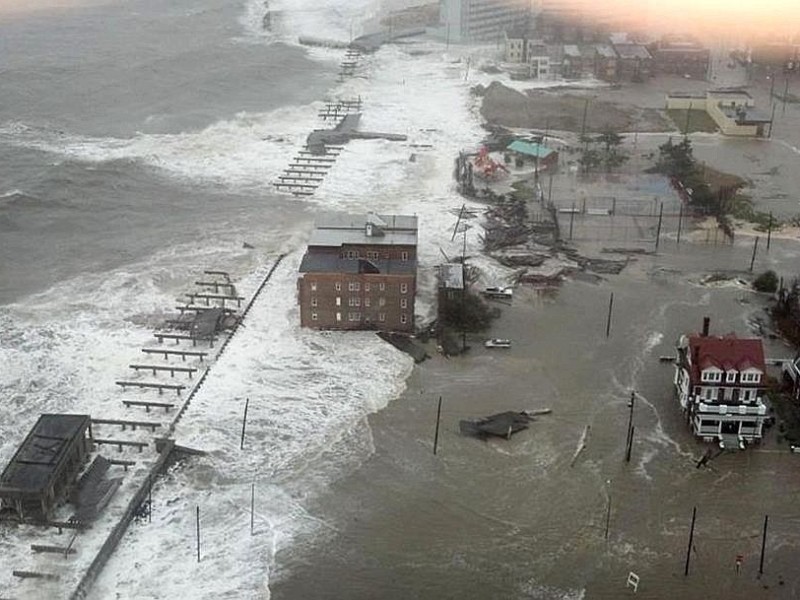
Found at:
[763, 545]
[753, 258]
[680, 221]
[608, 321]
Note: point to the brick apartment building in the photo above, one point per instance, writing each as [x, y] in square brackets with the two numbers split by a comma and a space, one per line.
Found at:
[360, 272]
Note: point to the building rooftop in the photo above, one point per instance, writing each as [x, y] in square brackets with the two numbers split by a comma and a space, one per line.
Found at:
[326, 263]
[725, 353]
[746, 116]
[37, 460]
[605, 50]
[632, 51]
[530, 149]
[698, 95]
[387, 230]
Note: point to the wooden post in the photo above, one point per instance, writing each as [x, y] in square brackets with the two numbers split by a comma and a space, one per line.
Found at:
[785, 95]
[658, 230]
[571, 219]
[608, 513]
[680, 221]
[252, 506]
[608, 321]
[150, 498]
[691, 538]
[198, 534]
[436, 434]
[550, 188]
[769, 231]
[244, 422]
[763, 545]
[753, 258]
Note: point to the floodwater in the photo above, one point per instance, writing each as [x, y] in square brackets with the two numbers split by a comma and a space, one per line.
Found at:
[517, 519]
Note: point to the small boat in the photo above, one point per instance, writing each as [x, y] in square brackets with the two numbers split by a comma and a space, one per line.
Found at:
[497, 343]
[534, 412]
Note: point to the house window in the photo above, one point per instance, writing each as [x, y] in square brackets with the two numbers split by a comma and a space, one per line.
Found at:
[403, 303]
[372, 255]
[354, 301]
[712, 376]
[313, 316]
[709, 423]
[709, 393]
[338, 300]
[366, 287]
[354, 316]
[381, 317]
[338, 316]
[366, 302]
[338, 286]
[731, 377]
[403, 318]
[403, 288]
[313, 286]
[313, 302]
[351, 254]
[354, 286]
[404, 256]
[751, 377]
[381, 286]
[382, 302]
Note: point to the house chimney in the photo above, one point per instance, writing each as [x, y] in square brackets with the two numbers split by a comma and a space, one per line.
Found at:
[369, 229]
[706, 323]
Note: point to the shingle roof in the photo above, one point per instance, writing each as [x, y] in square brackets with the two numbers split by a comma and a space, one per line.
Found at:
[725, 353]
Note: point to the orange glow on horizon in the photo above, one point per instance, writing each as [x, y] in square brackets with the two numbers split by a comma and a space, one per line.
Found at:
[709, 19]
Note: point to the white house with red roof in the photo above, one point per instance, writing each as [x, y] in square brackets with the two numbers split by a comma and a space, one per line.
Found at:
[720, 382]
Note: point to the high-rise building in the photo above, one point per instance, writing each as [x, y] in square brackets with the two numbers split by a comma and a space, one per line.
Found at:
[482, 20]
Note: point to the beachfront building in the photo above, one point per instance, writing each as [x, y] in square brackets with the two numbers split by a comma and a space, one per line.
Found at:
[360, 272]
[530, 54]
[732, 109]
[634, 62]
[482, 20]
[543, 157]
[720, 382]
[680, 56]
[43, 471]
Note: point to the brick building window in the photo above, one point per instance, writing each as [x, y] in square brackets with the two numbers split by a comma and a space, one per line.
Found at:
[381, 317]
[366, 287]
[351, 254]
[381, 286]
[313, 316]
[404, 256]
[313, 302]
[354, 316]
[403, 318]
[338, 316]
[372, 255]
[403, 288]
[354, 286]
[366, 302]
[337, 286]
[313, 286]
[403, 303]
[338, 300]
[382, 302]
[354, 301]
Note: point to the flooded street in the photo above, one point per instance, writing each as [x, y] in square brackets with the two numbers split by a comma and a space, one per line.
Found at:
[516, 519]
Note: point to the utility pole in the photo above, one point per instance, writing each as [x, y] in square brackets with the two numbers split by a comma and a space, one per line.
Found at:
[583, 125]
[608, 507]
[436, 434]
[680, 221]
[198, 534]
[753, 258]
[630, 428]
[608, 321]
[769, 231]
[763, 545]
[691, 538]
[244, 422]
[785, 95]
[571, 219]
[658, 231]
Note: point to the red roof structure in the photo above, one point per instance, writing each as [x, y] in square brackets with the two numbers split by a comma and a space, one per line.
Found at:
[725, 353]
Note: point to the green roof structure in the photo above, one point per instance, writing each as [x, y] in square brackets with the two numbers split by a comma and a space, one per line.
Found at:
[530, 149]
